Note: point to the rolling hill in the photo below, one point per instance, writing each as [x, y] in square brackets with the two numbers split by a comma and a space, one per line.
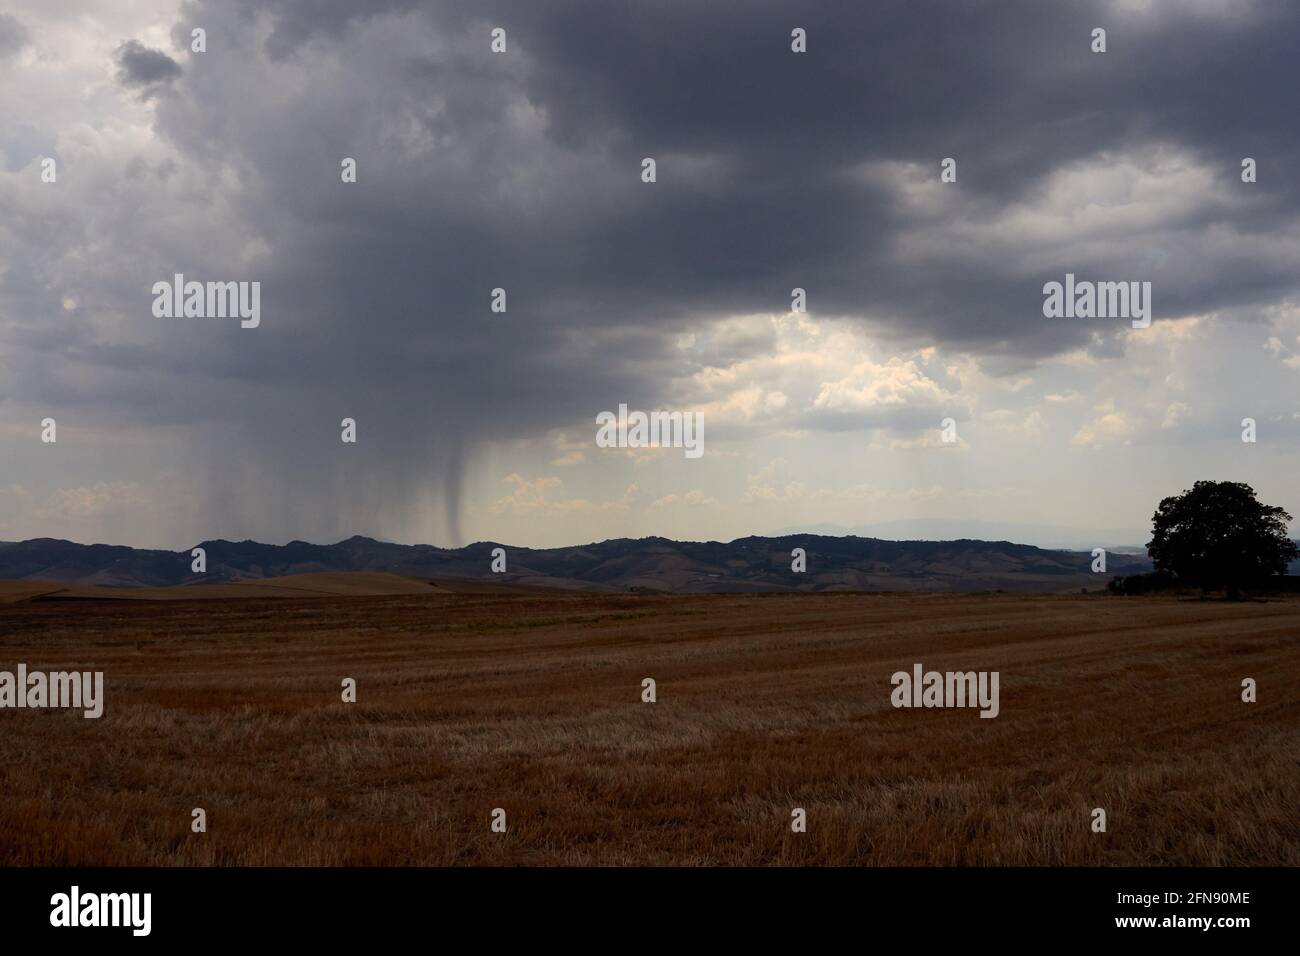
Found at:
[750, 564]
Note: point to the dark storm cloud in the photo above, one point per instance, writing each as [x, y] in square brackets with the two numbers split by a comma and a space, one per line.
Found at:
[1011, 89]
[775, 170]
[138, 65]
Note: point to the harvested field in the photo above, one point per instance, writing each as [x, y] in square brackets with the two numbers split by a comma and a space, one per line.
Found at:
[532, 703]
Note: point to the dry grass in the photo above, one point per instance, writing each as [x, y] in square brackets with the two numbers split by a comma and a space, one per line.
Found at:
[532, 703]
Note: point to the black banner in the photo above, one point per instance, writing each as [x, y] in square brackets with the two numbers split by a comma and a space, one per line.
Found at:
[925, 905]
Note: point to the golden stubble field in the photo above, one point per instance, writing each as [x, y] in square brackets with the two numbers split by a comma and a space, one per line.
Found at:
[532, 703]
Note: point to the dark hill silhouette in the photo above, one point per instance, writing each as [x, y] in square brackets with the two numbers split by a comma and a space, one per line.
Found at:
[661, 564]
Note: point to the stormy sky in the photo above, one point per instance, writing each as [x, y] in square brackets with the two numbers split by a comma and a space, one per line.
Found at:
[522, 170]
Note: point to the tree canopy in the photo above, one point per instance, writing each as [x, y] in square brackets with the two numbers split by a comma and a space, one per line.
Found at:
[1219, 535]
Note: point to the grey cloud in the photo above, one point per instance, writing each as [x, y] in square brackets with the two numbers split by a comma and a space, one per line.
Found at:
[141, 66]
[13, 35]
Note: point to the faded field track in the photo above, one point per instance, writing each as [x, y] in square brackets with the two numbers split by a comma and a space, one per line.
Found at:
[532, 703]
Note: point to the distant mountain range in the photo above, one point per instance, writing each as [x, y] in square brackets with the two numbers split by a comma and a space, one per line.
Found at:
[1054, 537]
[846, 563]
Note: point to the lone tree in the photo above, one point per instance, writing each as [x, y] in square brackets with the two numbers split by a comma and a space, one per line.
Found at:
[1219, 535]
